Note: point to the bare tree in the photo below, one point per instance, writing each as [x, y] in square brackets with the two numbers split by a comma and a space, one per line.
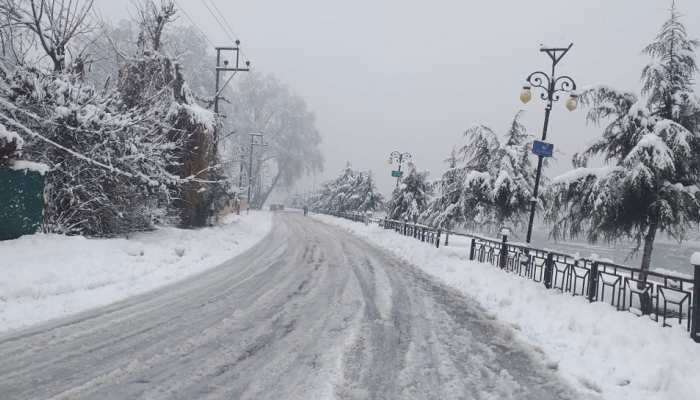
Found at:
[54, 23]
[263, 104]
[153, 18]
[15, 44]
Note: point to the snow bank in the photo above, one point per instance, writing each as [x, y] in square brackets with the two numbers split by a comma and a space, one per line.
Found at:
[49, 276]
[604, 353]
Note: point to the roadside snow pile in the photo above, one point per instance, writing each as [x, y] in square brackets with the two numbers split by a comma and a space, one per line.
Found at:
[604, 353]
[49, 276]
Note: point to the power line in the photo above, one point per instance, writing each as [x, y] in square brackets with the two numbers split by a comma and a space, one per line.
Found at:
[224, 24]
[228, 24]
[216, 18]
[192, 21]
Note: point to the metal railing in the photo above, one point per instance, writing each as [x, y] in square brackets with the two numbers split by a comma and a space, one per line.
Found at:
[666, 298]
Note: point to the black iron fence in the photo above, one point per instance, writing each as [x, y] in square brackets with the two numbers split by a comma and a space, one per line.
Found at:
[667, 299]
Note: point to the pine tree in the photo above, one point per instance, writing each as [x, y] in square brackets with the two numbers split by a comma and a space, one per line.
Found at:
[498, 176]
[352, 191]
[369, 199]
[411, 198]
[650, 145]
[445, 209]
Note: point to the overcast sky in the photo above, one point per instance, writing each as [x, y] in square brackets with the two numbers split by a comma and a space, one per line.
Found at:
[407, 75]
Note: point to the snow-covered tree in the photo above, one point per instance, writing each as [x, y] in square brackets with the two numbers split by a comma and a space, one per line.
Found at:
[650, 146]
[498, 176]
[352, 191]
[118, 155]
[445, 210]
[411, 198]
[152, 81]
[262, 104]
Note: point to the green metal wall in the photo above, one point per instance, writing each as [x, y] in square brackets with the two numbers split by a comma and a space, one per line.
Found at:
[21, 202]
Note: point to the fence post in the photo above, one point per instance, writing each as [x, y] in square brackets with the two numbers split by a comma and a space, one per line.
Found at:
[548, 270]
[695, 330]
[472, 249]
[504, 252]
[593, 282]
[437, 239]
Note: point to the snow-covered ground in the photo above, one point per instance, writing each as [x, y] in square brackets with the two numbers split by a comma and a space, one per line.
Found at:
[49, 276]
[608, 354]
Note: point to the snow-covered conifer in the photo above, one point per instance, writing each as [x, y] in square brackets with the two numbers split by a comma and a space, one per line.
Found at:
[411, 198]
[445, 210]
[649, 183]
[498, 176]
[352, 191]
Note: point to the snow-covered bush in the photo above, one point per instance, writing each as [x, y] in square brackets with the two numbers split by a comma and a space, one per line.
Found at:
[106, 161]
[119, 156]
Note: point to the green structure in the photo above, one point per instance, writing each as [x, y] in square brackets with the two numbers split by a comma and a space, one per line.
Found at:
[21, 201]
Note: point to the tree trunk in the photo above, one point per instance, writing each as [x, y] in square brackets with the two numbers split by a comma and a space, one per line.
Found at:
[645, 300]
[263, 198]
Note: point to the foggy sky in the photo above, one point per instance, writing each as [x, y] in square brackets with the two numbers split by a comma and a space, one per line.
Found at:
[408, 75]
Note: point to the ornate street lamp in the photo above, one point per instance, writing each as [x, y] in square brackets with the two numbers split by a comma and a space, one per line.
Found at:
[553, 87]
[398, 158]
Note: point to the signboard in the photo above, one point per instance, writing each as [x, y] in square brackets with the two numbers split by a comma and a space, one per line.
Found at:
[542, 149]
[396, 174]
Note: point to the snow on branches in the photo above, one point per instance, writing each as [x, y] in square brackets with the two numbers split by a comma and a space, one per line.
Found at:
[410, 199]
[498, 175]
[650, 145]
[119, 157]
[352, 191]
[10, 145]
[445, 210]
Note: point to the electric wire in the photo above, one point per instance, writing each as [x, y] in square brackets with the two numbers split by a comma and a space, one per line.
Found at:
[228, 24]
[223, 24]
[194, 23]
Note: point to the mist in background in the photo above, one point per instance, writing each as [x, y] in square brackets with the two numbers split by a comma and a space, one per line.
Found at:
[412, 76]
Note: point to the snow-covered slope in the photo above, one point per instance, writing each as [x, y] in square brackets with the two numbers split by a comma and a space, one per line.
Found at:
[607, 354]
[49, 276]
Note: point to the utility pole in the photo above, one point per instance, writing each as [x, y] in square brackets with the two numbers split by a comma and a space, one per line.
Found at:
[256, 139]
[241, 164]
[224, 67]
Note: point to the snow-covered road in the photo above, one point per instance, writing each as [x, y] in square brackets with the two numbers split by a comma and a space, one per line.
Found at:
[312, 312]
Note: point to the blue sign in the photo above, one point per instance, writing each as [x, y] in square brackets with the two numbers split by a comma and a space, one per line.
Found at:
[542, 149]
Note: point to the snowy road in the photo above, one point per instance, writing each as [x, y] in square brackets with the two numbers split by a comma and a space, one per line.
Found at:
[310, 313]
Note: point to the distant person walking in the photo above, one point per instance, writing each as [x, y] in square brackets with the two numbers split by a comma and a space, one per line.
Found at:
[306, 210]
